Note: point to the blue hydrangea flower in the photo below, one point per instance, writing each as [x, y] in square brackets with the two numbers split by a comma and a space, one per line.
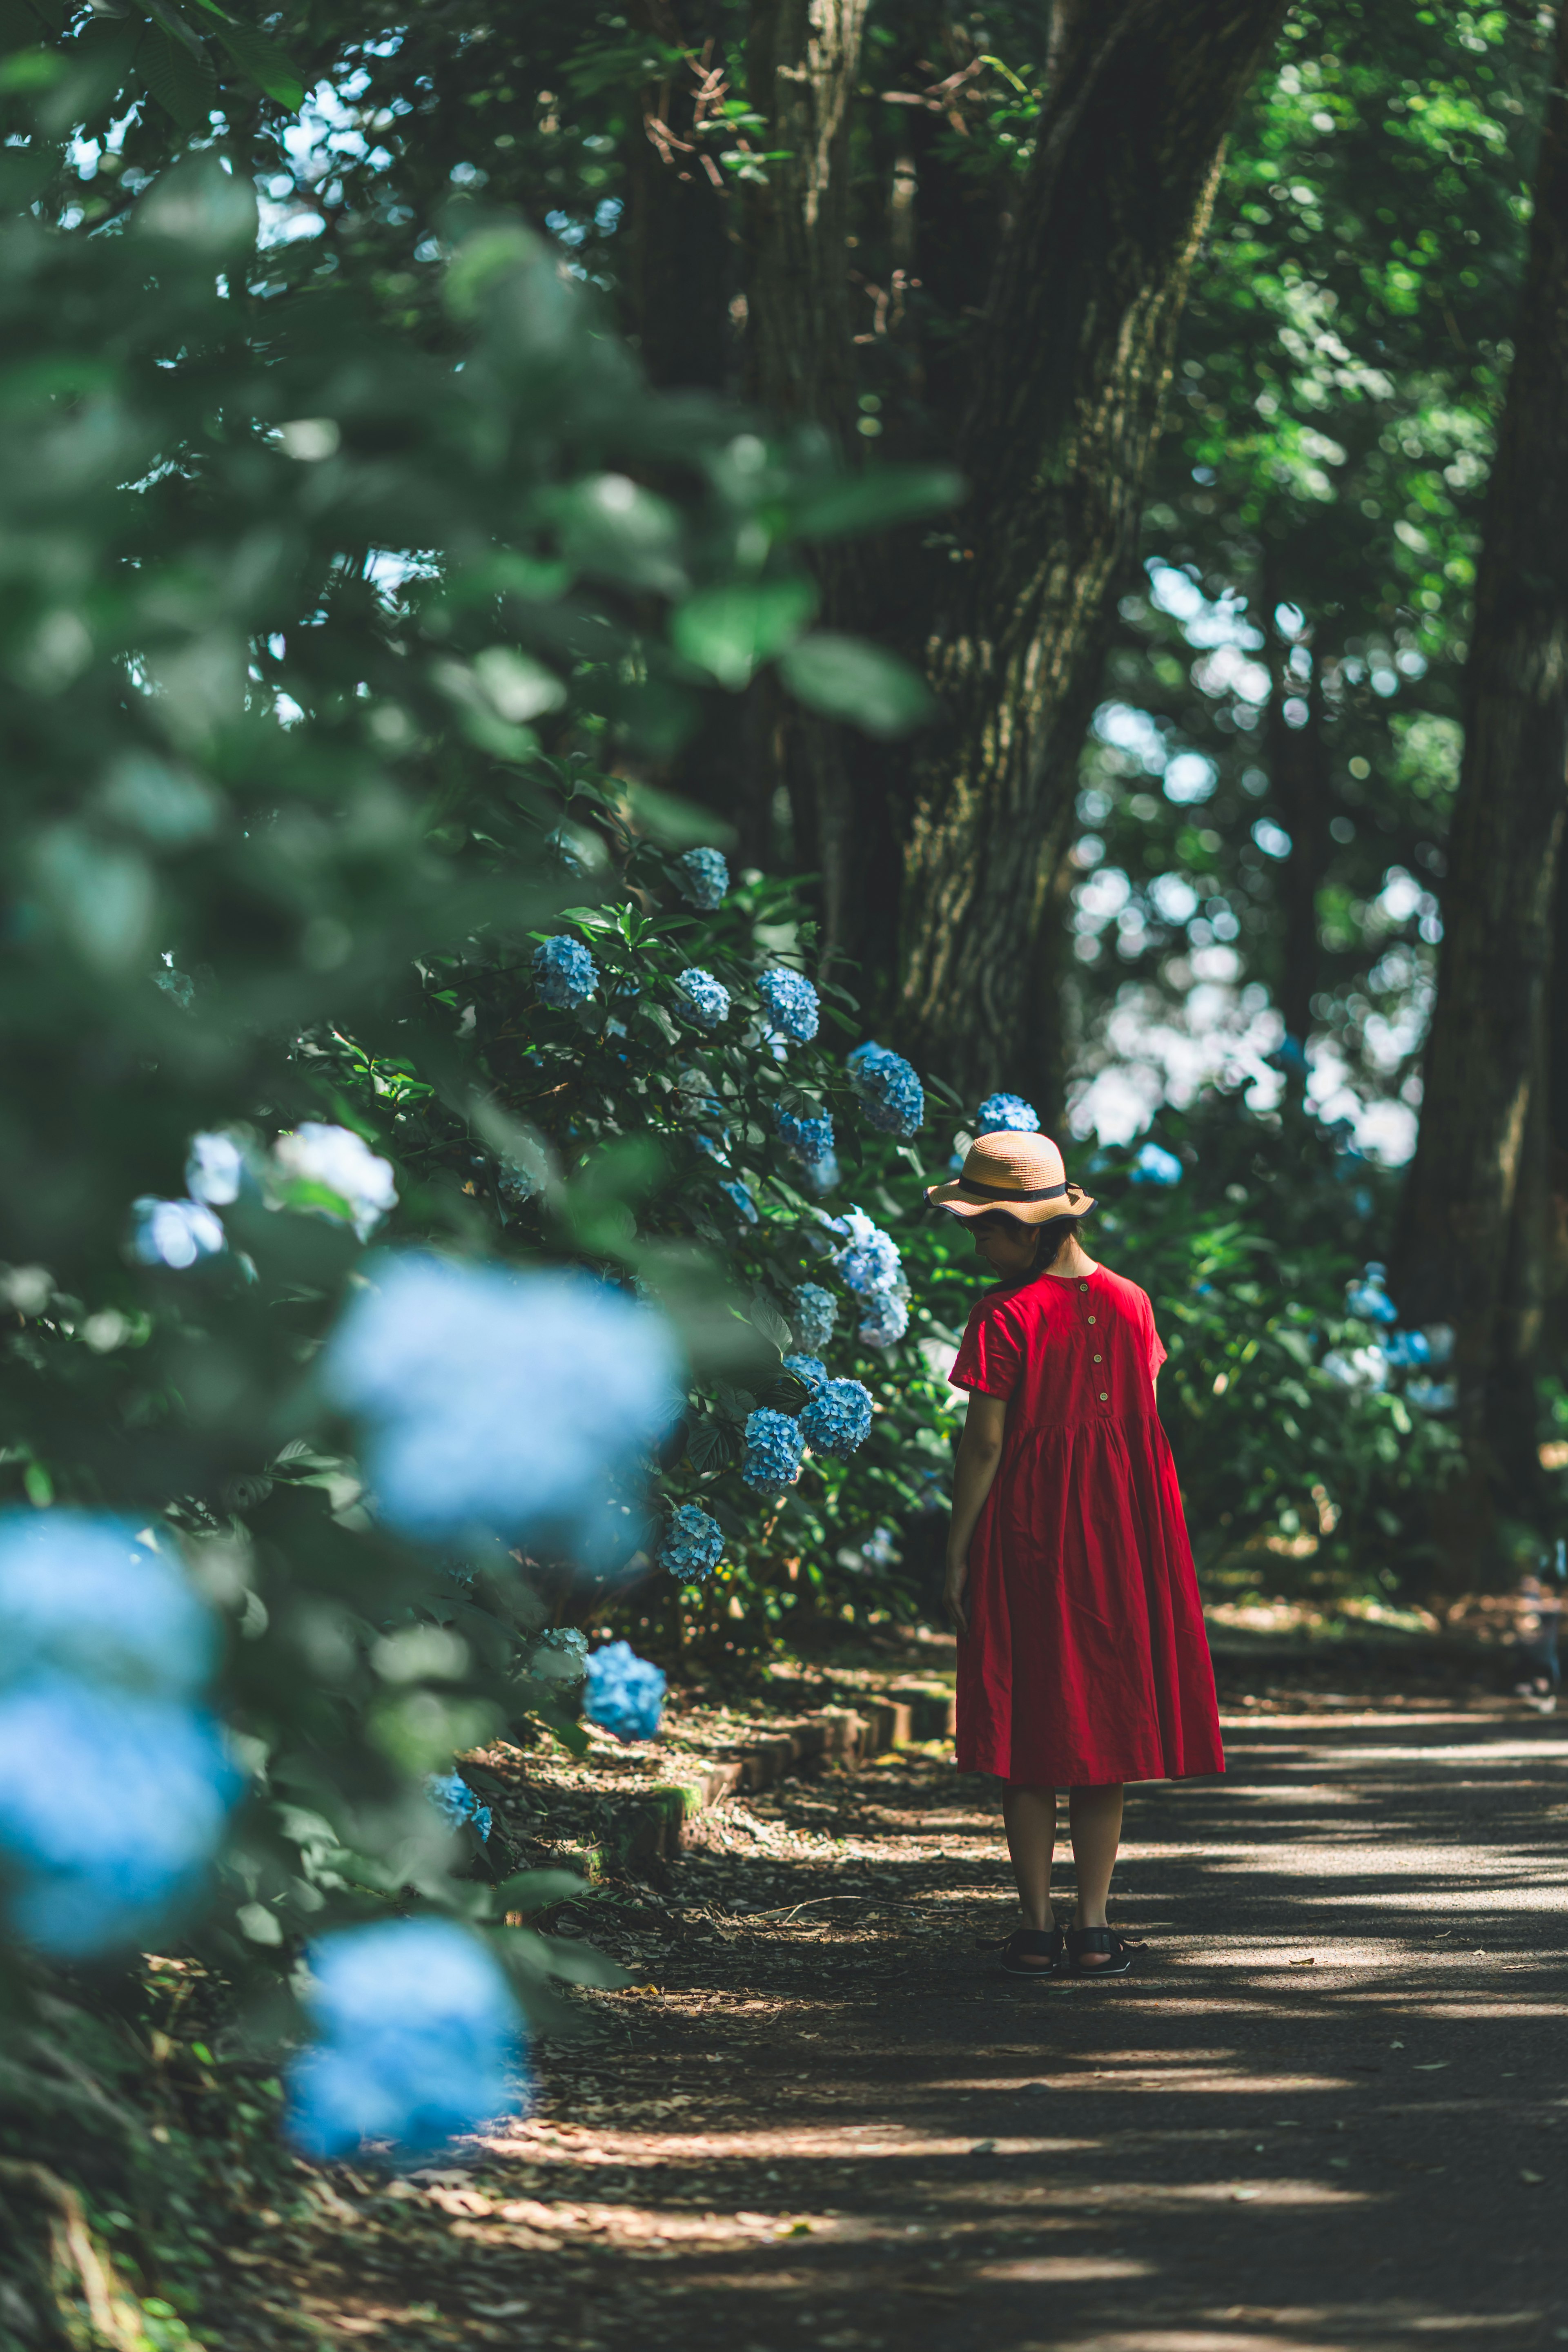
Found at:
[112, 1804]
[625, 1693]
[838, 1418]
[1154, 1166]
[773, 1450]
[215, 1170]
[1357, 1368]
[813, 1312]
[741, 1198]
[333, 1171]
[692, 1545]
[793, 1006]
[175, 1234]
[1408, 1348]
[1432, 1396]
[79, 1594]
[809, 1140]
[1006, 1111]
[884, 1320]
[869, 1262]
[458, 1375]
[809, 1369]
[890, 1093]
[420, 2038]
[455, 1802]
[880, 1549]
[702, 876]
[707, 998]
[560, 1654]
[1367, 1298]
[564, 972]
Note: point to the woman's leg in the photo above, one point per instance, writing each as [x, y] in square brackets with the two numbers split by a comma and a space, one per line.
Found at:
[1095, 1816]
[1031, 1818]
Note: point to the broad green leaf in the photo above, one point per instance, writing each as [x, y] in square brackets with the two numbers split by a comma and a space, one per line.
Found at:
[264, 61]
[844, 677]
[182, 85]
[729, 630]
[873, 501]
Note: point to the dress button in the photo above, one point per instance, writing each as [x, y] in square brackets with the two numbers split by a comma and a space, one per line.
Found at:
[1083, 1285]
[1092, 1318]
[1099, 1360]
[1105, 1398]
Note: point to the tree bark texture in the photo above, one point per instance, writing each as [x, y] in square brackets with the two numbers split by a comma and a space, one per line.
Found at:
[1070, 371]
[1299, 792]
[803, 64]
[683, 265]
[1479, 1167]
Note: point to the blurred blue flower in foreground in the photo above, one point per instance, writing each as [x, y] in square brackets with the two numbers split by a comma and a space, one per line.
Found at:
[215, 1170]
[111, 1806]
[77, 1592]
[809, 1140]
[773, 1449]
[1000, 1111]
[173, 1232]
[793, 1006]
[838, 1418]
[333, 1171]
[1367, 1298]
[880, 1549]
[741, 1198]
[420, 2038]
[813, 1312]
[693, 1544]
[702, 876]
[1357, 1368]
[809, 1368]
[1432, 1396]
[564, 972]
[890, 1093]
[512, 1401]
[625, 1695]
[709, 998]
[455, 1802]
[1154, 1165]
[114, 1784]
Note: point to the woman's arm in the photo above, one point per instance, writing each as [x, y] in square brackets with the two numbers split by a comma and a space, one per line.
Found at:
[979, 1451]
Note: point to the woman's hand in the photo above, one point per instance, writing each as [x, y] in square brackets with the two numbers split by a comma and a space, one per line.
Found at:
[952, 1587]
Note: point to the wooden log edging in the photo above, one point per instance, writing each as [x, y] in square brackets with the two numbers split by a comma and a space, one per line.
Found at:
[653, 1823]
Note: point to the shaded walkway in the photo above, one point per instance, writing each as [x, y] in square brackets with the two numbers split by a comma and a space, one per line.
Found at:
[1332, 2109]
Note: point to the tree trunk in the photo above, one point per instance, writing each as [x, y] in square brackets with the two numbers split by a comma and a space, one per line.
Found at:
[802, 68]
[1069, 372]
[683, 268]
[1471, 1175]
[1299, 783]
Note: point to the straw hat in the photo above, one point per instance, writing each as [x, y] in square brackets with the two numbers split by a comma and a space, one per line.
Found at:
[1023, 1174]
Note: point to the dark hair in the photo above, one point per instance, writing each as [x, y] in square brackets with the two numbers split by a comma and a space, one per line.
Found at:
[1051, 1239]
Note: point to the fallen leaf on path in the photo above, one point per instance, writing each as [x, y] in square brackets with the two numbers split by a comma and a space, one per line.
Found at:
[1430, 2066]
[1534, 2180]
[1243, 2196]
[983, 2148]
[1309, 1963]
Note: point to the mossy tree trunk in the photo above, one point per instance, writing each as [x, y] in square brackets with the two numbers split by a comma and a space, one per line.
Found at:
[1070, 365]
[1476, 1211]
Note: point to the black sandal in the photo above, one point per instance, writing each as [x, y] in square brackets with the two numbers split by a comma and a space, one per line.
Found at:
[1119, 1951]
[1047, 1942]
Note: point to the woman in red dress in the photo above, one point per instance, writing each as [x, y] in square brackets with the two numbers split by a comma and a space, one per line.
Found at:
[1083, 1659]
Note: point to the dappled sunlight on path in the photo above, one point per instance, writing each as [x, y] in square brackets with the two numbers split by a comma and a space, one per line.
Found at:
[1330, 2108]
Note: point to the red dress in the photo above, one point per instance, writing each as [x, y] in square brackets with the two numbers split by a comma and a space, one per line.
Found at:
[1086, 1659]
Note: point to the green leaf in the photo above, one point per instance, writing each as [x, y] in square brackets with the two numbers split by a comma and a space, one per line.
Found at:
[844, 677]
[536, 1890]
[176, 78]
[677, 823]
[729, 630]
[871, 501]
[264, 61]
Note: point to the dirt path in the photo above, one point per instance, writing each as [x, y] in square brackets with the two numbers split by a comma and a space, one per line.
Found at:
[1331, 2109]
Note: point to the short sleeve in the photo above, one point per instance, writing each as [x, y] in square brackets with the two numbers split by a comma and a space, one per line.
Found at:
[1156, 1345]
[989, 1356]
